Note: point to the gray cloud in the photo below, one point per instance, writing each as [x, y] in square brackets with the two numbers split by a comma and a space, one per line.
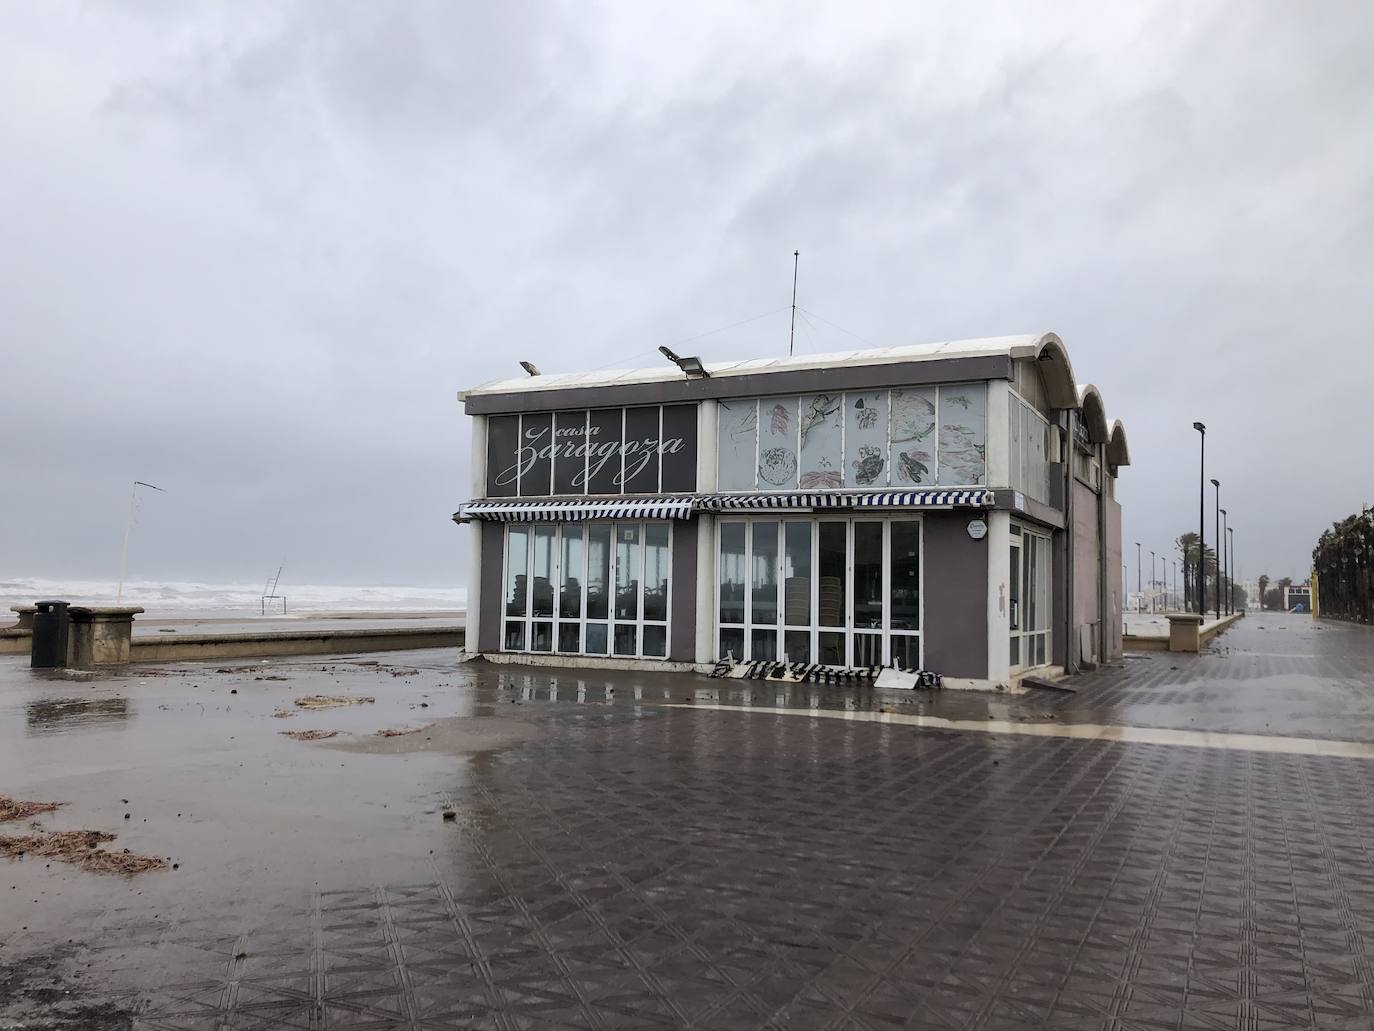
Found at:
[252, 251]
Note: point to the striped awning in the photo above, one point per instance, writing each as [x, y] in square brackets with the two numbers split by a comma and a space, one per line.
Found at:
[978, 498]
[513, 511]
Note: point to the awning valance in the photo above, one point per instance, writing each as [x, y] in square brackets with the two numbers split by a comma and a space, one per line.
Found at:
[574, 511]
[678, 507]
[976, 498]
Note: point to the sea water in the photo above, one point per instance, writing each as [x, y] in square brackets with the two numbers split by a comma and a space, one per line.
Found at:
[189, 599]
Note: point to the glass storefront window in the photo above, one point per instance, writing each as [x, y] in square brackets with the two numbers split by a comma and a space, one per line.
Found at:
[830, 579]
[573, 568]
[541, 588]
[626, 571]
[905, 575]
[517, 570]
[598, 571]
[570, 590]
[868, 575]
[732, 573]
[764, 563]
[839, 592]
[656, 571]
[796, 574]
[903, 437]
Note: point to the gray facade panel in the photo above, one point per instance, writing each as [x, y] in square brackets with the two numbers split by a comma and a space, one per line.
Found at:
[682, 645]
[799, 381]
[956, 590]
[1059, 587]
[493, 590]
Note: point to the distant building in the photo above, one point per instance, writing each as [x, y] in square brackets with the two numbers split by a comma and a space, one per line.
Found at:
[948, 507]
[1297, 598]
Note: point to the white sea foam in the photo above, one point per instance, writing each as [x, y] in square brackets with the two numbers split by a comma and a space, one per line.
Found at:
[174, 598]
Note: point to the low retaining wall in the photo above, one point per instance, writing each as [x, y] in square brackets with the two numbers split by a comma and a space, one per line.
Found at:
[184, 647]
[1160, 642]
[15, 641]
[190, 647]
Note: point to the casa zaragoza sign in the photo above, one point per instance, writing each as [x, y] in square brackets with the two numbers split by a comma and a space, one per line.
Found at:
[643, 450]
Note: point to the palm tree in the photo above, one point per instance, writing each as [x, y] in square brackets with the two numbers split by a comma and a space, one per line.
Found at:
[1263, 586]
[1187, 547]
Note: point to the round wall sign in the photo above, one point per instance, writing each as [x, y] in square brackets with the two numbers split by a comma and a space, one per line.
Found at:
[977, 529]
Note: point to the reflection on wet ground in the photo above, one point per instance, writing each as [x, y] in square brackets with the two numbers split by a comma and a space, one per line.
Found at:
[623, 850]
[63, 714]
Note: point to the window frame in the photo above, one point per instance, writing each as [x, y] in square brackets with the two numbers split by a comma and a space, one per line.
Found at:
[814, 629]
[886, 484]
[557, 619]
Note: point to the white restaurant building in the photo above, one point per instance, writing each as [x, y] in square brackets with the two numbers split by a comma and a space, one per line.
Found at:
[948, 507]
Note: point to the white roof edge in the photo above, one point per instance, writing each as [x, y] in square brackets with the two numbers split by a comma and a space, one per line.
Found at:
[1019, 346]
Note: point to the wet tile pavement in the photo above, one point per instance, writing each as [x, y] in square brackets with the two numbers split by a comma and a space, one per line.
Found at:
[633, 865]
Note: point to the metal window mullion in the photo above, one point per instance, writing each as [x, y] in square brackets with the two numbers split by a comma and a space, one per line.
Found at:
[643, 535]
[748, 576]
[885, 587]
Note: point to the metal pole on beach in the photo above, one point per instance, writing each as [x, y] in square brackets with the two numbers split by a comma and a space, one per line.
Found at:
[128, 529]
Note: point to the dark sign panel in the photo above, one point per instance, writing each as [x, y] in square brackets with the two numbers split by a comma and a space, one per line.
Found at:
[680, 464]
[536, 436]
[503, 438]
[604, 433]
[642, 450]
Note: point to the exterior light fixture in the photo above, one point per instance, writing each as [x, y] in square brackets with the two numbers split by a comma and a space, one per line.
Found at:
[530, 368]
[692, 366]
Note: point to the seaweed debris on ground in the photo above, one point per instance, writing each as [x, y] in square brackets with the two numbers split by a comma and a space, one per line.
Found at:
[283, 714]
[15, 809]
[330, 701]
[403, 731]
[80, 848]
[308, 735]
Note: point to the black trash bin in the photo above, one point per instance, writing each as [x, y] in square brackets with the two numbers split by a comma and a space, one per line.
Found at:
[50, 628]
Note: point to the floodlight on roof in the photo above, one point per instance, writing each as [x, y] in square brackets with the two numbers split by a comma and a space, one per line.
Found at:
[692, 366]
[530, 368]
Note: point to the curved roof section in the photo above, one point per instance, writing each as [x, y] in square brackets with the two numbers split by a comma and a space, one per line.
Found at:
[1118, 453]
[1061, 390]
[1046, 348]
[1094, 412]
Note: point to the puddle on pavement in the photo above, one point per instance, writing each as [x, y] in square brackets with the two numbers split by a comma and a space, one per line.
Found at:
[49, 716]
[455, 735]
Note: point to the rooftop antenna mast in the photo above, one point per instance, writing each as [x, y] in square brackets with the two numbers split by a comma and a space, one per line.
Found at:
[792, 337]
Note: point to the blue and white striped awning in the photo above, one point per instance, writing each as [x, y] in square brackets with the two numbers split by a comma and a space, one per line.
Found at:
[512, 510]
[530, 511]
[976, 498]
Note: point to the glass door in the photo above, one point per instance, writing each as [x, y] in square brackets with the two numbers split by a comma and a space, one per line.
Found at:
[838, 592]
[1030, 608]
[588, 589]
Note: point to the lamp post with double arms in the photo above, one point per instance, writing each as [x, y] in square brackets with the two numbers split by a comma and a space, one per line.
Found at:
[1139, 590]
[1225, 564]
[1231, 556]
[1201, 517]
[1217, 516]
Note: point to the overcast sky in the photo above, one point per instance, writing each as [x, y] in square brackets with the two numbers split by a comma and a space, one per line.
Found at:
[249, 252]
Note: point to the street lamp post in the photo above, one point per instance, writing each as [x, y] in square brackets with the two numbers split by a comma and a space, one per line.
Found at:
[1231, 554]
[1217, 516]
[1154, 588]
[1226, 562]
[1139, 590]
[1201, 516]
